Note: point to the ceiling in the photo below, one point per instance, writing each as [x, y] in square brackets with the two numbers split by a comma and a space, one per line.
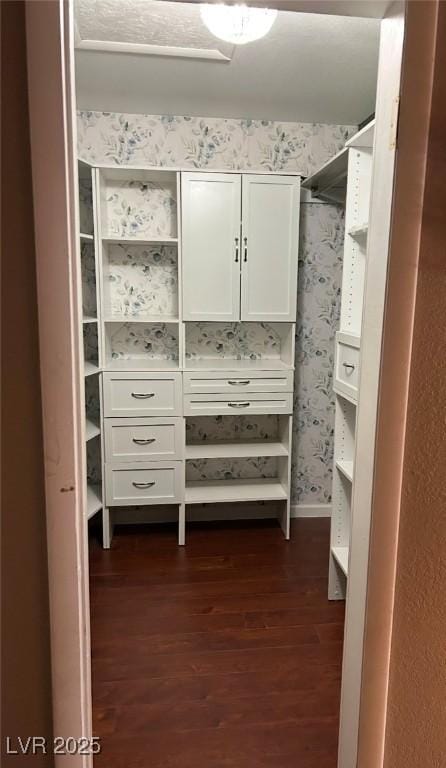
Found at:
[310, 68]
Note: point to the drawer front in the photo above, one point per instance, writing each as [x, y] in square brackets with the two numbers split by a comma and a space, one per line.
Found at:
[154, 483]
[142, 394]
[143, 439]
[347, 370]
[238, 381]
[207, 405]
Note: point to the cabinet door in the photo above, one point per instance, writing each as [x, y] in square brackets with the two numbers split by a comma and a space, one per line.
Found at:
[211, 209]
[270, 235]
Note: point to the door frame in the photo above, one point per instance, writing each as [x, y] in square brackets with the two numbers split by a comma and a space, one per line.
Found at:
[53, 140]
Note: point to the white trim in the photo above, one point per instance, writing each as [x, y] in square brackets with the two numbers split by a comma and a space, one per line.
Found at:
[145, 49]
[310, 510]
[209, 512]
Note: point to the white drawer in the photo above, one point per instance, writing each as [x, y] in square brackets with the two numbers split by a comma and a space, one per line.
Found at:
[238, 381]
[207, 405]
[346, 371]
[148, 483]
[142, 394]
[142, 439]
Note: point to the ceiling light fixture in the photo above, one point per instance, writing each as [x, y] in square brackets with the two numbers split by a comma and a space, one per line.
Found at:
[237, 24]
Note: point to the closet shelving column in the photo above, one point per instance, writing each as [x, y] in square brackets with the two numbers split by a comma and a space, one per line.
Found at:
[91, 343]
[351, 169]
[142, 336]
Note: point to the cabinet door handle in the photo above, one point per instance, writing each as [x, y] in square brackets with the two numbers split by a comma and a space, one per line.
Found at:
[243, 383]
[144, 485]
[236, 250]
[349, 366]
[142, 395]
[245, 252]
[143, 441]
[239, 405]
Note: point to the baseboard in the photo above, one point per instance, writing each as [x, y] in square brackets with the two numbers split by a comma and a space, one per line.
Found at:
[311, 510]
[209, 512]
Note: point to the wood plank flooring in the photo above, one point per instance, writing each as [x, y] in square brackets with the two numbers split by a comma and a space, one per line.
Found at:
[223, 654]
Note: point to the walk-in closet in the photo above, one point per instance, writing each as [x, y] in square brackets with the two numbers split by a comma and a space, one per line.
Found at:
[233, 199]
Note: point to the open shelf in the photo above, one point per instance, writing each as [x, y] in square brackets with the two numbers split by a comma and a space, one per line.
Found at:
[140, 319]
[359, 231]
[133, 345]
[90, 368]
[91, 430]
[364, 137]
[141, 240]
[329, 182]
[149, 200]
[340, 554]
[216, 364]
[85, 237]
[215, 491]
[140, 281]
[346, 467]
[214, 346]
[89, 319]
[234, 449]
[140, 364]
[94, 500]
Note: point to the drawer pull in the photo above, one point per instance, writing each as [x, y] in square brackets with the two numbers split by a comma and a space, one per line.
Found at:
[243, 382]
[349, 366]
[142, 395]
[239, 405]
[144, 485]
[143, 441]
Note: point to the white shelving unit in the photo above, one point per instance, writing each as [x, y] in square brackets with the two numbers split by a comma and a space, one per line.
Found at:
[352, 166]
[178, 388]
[91, 303]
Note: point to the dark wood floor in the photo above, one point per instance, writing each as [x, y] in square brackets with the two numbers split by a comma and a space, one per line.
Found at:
[223, 654]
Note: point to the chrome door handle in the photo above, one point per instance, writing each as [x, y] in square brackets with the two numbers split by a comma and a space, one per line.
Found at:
[143, 441]
[144, 485]
[236, 250]
[245, 253]
[239, 405]
[242, 383]
[142, 395]
[349, 365]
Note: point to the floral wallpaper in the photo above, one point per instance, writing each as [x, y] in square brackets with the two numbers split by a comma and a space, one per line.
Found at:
[318, 309]
[239, 341]
[140, 209]
[88, 271]
[249, 145]
[86, 206]
[130, 341]
[141, 280]
[207, 142]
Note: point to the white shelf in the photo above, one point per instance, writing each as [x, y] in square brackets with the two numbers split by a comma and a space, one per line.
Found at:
[340, 554]
[141, 319]
[89, 319]
[142, 364]
[91, 430]
[359, 231]
[364, 137]
[330, 180]
[90, 368]
[352, 339]
[140, 241]
[230, 364]
[86, 238]
[236, 450]
[215, 491]
[346, 468]
[94, 501]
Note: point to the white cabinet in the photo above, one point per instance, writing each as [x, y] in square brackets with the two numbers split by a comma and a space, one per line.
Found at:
[240, 240]
[211, 245]
[270, 235]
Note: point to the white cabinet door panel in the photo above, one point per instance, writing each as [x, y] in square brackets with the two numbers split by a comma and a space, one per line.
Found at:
[270, 235]
[211, 210]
